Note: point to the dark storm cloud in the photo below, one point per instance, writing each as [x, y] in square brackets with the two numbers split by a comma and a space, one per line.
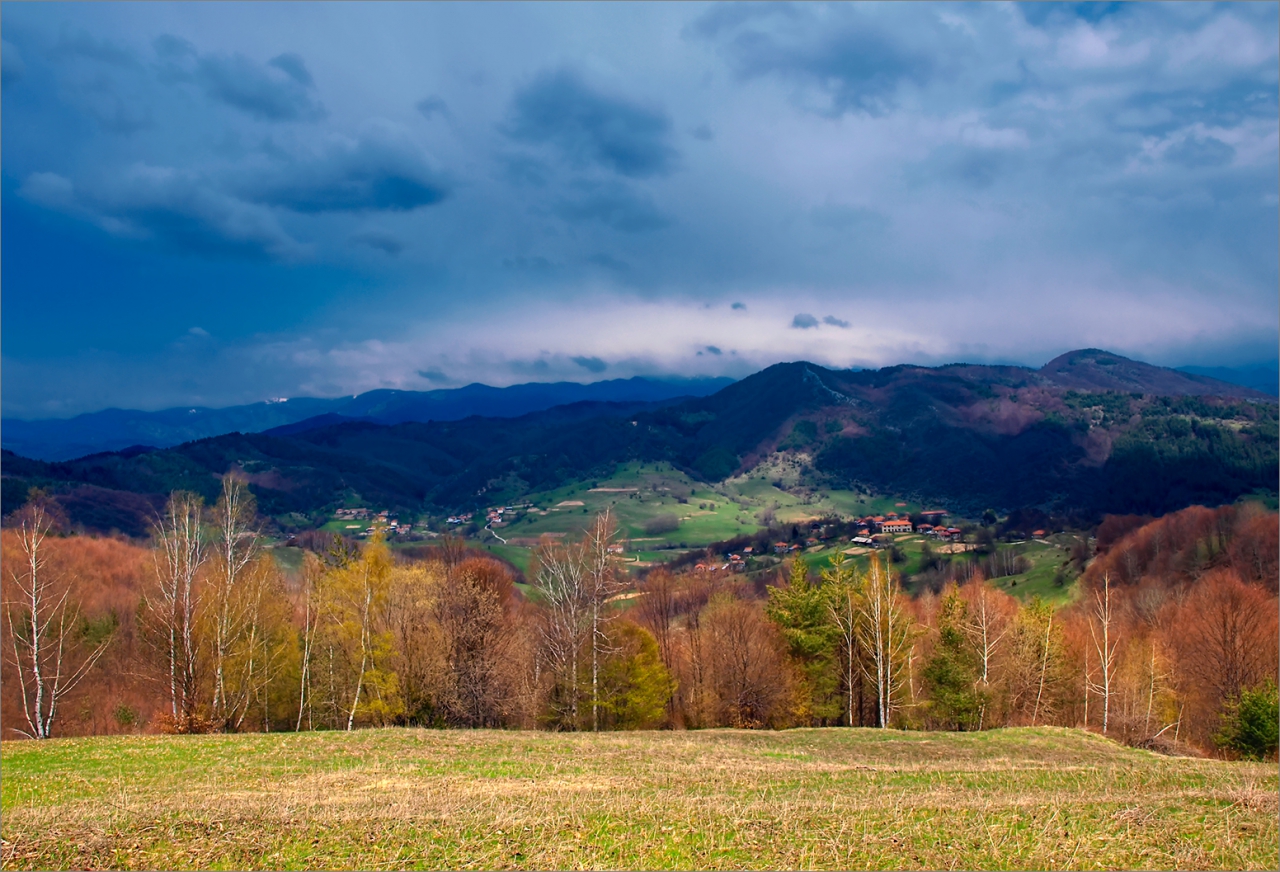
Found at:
[80, 43]
[294, 67]
[176, 209]
[589, 127]
[838, 217]
[383, 242]
[974, 180]
[372, 172]
[432, 106]
[615, 205]
[842, 51]
[11, 66]
[711, 349]
[254, 88]
[591, 364]
[609, 262]
[433, 375]
[1041, 14]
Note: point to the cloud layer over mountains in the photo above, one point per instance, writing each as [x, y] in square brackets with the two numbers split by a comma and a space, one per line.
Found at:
[212, 204]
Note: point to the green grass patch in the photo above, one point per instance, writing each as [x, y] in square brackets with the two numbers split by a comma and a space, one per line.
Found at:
[814, 798]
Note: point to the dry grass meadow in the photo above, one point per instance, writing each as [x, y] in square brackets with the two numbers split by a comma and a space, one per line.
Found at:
[833, 798]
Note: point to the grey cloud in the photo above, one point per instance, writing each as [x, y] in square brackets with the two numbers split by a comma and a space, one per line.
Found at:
[383, 242]
[267, 93]
[804, 321]
[294, 67]
[741, 307]
[591, 128]
[172, 47]
[714, 350]
[82, 44]
[114, 115]
[535, 264]
[840, 217]
[523, 367]
[591, 364]
[1195, 152]
[525, 170]
[12, 68]
[1040, 14]
[373, 172]
[704, 133]
[609, 262]
[616, 206]
[840, 51]
[432, 106]
[433, 375]
[175, 209]
[833, 321]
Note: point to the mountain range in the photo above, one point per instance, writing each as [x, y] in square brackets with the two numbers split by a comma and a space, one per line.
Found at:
[1090, 432]
[118, 429]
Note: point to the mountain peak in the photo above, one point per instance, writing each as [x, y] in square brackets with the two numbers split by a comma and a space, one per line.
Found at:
[1092, 369]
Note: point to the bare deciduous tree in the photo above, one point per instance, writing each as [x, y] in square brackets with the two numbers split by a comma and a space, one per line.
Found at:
[562, 580]
[843, 585]
[1102, 632]
[311, 570]
[886, 634]
[180, 552]
[43, 626]
[235, 547]
[602, 583]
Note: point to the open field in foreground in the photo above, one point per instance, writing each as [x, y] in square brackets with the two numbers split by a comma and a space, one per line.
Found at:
[833, 798]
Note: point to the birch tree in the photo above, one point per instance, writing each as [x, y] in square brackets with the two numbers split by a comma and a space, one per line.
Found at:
[562, 581]
[179, 552]
[235, 546]
[843, 589]
[886, 634]
[310, 615]
[44, 625]
[602, 583]
[987, 623]
[1102, 632]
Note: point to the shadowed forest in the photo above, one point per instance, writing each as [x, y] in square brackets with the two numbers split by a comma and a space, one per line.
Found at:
[1171, 644]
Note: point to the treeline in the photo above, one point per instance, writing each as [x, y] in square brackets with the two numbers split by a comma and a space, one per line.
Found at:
[1171, 642]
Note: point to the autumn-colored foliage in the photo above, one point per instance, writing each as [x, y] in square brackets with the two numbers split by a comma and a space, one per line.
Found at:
[1171, 642]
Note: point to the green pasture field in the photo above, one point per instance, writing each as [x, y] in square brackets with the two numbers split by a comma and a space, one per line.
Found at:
[1032, 798]
[637, 493]
[1046, 560]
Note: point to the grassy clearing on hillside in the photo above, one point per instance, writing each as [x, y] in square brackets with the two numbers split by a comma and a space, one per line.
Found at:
[821, 798]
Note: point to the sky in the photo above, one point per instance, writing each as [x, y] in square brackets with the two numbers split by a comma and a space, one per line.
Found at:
[220, 203]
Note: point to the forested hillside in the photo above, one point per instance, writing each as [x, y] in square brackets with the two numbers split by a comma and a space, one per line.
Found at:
[1170, 642]
[1088, 434]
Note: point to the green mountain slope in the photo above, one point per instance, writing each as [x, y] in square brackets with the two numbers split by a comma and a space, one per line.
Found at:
[1142, 439]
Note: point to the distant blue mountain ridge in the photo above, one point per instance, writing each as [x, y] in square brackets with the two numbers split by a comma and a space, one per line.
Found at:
[56, 439]
[1260, 377]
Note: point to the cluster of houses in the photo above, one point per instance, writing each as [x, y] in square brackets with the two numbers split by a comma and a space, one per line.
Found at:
[872, 528]
[464, 518]
[387, 520]
[734, 563]
[496, 514]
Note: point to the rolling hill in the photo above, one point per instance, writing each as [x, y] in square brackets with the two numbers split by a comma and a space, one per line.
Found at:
[1090, 432]
[117, 429]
